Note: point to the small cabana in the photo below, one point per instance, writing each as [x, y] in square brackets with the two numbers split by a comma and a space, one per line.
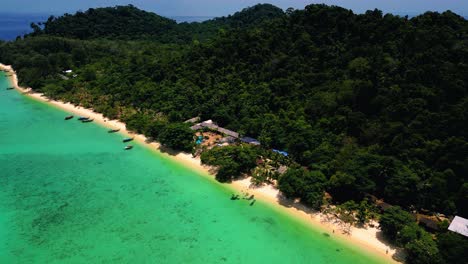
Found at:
[192, 120]
[250, 140]
[459, 225]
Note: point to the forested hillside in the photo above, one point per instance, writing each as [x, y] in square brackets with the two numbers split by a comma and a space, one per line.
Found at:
[121, 22]
[364, 104]
[131, 23]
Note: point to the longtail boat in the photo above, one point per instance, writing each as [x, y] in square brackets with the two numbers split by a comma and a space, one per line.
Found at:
[83, 118]
[87, 121]
[113, 130]
[68, 117]
[127, 140]
[129, 147]
[10, 88]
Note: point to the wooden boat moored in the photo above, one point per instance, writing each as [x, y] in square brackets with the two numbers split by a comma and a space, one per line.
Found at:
[129, 147]
[83, 118]
[68, 117]
[127, 140]
[10, 88]
[87, 120]
[113, 130]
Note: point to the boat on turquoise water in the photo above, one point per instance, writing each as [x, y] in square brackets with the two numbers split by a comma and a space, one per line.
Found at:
[87, 121]
[68, 117]
[10, 88]
[129, 147]
[113, 130]
[127, 140]
[83, 118]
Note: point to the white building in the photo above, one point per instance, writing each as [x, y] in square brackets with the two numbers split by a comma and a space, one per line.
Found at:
[459, 225]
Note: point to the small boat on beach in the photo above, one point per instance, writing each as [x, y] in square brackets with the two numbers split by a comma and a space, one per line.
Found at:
[68, 117]
[113, 130]
[87, 121]
[129, 147]
[83, 118]
[127, 140]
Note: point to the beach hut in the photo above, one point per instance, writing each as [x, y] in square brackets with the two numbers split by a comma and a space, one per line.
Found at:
[459, 225]
[228, 132]
[430, 222]
[250, 140]
[383, 206]
[192, 120]
[209, 124]
[196, 127]
[227, 139]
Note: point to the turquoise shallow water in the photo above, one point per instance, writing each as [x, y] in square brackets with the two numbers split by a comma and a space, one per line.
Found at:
[70, 194]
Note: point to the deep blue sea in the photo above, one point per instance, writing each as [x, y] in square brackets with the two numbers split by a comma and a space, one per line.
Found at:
[13, 25]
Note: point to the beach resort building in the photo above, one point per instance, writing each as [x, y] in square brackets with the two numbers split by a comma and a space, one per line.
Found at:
[231, 136]
[459, 225]
[250, 140]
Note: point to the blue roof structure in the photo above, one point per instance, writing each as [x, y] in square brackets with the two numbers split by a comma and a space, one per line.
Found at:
[284, 153]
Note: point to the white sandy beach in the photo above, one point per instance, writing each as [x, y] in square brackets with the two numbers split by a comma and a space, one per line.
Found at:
[366, 238]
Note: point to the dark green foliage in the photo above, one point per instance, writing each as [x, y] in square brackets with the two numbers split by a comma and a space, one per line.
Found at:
[365, 104]
[177, 136]
[233, 161]
[138, 122]
[374, 102]
[249, 16]
[364, 212]
[307, 185]
[453, 248]
[400, 227]
[393, 220]
[120, 22]
[408, 233]
[155, 128]
[422, 250]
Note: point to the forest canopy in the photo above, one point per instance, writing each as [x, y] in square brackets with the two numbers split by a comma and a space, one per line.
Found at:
[365, 104]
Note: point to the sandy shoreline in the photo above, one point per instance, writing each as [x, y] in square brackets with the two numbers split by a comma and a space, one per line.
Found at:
[365, 238]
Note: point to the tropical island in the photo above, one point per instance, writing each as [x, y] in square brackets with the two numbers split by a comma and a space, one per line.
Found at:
[360, 116]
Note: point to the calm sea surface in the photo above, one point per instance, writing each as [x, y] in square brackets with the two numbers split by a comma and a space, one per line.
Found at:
[13, 25]
[69, 193]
